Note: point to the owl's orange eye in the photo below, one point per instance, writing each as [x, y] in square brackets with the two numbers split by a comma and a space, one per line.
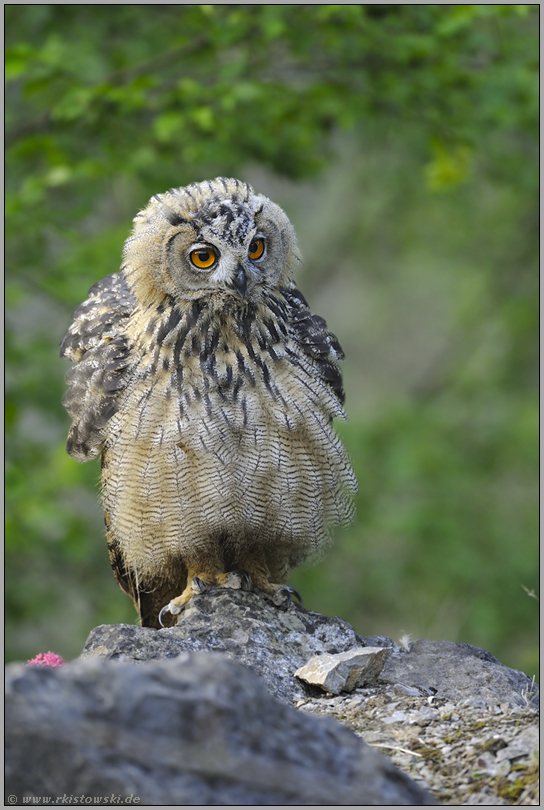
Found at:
[203, 258]
[256, 249]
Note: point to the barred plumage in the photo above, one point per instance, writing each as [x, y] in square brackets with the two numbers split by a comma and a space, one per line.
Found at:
[209, 389]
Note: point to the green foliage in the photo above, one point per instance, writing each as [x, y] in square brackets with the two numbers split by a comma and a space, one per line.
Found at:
[412, 132]
[439, 325]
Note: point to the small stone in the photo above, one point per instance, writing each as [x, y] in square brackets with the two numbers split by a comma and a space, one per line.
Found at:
[355, 703]
[502, 768]
[521, 746]
[396, 717]
[410, 691]
[345, 671]
[485, 762]
[424, 716]
[474, 703]
[492, 765]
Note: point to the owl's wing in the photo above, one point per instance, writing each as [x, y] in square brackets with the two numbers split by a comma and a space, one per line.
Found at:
[99, 348]
[314, 339]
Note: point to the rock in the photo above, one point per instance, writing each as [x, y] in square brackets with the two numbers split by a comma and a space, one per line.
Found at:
[456, 671]
[197, 730]
[189, 726]
[410, 691]
[247, 628]
[486, 798]
[463, 753]
[345, 671]
[527, 743]
[276, 643]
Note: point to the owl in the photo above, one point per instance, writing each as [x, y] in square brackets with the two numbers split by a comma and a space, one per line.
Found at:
[208, 389]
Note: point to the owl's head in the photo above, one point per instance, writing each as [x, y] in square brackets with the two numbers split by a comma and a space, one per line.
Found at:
[215, 237]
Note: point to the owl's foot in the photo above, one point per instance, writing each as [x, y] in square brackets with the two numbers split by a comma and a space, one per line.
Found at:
[237, 580]
[259, 576]
[282, 597]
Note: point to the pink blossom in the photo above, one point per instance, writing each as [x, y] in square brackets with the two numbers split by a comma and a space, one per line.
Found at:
[47, 659]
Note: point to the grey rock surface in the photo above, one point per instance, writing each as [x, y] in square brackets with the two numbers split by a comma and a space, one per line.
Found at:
[464, 753]
[458, 671]
[276, 643]
[190, 725]
[247, 627]
[197, 730]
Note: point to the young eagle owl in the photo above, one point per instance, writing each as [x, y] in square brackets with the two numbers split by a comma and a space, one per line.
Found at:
[208, 388]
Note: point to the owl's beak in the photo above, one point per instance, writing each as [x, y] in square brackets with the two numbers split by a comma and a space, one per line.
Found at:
[240, 281]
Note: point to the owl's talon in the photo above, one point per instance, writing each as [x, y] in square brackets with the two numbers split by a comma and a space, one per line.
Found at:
[163, 610]
[282, 597]
[198, 585]
[245, 578]
[174, 610]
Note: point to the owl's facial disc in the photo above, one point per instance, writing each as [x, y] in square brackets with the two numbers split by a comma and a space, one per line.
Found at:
[234, 268]
[214, 238]
[248, 273]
